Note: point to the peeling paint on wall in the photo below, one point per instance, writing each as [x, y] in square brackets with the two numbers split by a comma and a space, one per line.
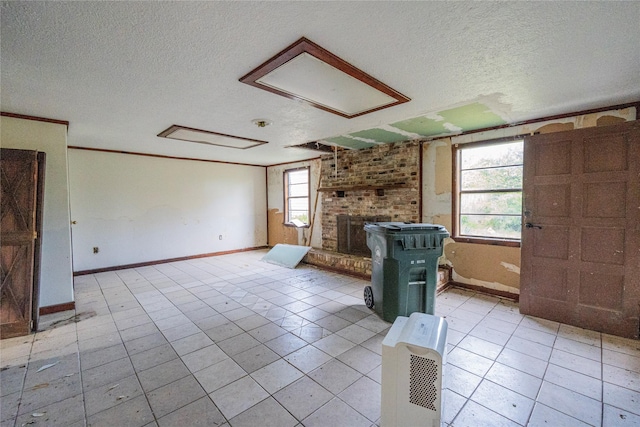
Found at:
[494, 267]
[486, 263]
[578, 122]
[489, 285]
[511, 267]
[555, 127]
[444, 171]
[278, 232]
[609, 120]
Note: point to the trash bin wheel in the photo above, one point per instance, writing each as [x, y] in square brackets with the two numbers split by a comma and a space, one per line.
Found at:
[368, 296]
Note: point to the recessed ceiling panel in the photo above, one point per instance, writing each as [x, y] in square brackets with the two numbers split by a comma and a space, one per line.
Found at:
[307, 72]
[207, 137]
[315, 81]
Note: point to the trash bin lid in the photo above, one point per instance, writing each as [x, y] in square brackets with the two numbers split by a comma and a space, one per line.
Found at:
[391, 227]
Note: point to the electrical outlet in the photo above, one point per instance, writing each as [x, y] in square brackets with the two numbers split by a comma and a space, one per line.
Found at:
[96, 249]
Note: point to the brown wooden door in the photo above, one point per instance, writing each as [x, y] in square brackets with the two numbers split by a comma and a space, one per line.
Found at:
[582, 267]
[17, 237]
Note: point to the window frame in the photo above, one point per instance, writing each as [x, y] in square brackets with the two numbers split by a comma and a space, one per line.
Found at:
[285, 176]
[456, 150]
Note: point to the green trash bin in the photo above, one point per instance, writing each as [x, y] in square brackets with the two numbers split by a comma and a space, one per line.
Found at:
[404, 261]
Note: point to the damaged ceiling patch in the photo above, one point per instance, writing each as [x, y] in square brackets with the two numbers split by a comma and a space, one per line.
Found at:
[350, 143]
[471, 117]
[422, 126]
[464, 118]
[380, 135]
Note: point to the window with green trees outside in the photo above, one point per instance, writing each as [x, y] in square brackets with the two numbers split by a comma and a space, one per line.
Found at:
[489, 190]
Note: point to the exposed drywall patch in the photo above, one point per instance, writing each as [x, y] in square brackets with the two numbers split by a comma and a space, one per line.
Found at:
[444, 173]
[409, 135]
[511, 267]
[485, 263]
[347, 142]
[423, 126]
[463, 118]
[579, 122]
[380, 136]
[278, 232]
[472, 116]
[609, 120]
[555, 127]
[490, 285]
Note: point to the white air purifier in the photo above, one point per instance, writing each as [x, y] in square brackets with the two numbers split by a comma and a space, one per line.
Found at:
[413, 358]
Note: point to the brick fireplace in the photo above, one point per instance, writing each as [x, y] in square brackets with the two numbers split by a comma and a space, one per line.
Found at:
[376, 184]
[352, 239]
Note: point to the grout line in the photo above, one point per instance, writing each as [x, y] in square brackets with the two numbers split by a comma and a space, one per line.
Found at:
[601, 382]
[84, 399]
[24, 379]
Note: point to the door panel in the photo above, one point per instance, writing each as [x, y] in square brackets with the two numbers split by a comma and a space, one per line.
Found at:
[582, 266]
[17, 233]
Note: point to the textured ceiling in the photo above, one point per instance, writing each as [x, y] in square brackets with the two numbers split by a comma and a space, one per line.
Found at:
[121, 72]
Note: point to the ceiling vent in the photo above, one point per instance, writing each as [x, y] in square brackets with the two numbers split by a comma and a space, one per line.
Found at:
[305, 71]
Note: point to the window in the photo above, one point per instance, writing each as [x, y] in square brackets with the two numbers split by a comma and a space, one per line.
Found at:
[488, 192]
[296, 196]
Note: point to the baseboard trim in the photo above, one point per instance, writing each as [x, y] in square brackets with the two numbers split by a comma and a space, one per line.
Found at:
[164, 261]
[482, 289]
[57, 308]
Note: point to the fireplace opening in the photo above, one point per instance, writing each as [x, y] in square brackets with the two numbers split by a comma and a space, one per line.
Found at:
[352, 239]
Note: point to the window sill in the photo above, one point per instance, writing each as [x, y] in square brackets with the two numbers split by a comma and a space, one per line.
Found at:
[487, 241]
[288, 224]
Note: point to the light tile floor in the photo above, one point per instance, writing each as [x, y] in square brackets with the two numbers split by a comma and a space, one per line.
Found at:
[231, 340]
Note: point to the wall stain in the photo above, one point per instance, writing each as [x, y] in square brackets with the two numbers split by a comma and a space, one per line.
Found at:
[486, 265]
[555, 127]
[278, 232]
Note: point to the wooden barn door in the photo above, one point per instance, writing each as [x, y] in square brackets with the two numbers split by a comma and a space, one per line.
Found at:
[18, 234]
[581, 240]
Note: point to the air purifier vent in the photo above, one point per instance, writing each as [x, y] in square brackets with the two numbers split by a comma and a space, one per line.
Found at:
[413, 360]
[423, 375]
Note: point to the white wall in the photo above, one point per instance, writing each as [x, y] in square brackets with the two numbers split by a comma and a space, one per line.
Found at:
[138, 209]
[56, 278]
[275, 188]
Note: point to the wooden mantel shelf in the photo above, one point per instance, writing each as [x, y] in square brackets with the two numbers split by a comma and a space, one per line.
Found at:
[365, 187]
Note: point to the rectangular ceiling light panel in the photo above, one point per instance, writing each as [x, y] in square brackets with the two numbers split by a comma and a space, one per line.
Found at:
[307, 72]
[183, 133]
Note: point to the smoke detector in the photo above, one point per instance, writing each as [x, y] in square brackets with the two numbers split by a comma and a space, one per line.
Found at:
[261, 123]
